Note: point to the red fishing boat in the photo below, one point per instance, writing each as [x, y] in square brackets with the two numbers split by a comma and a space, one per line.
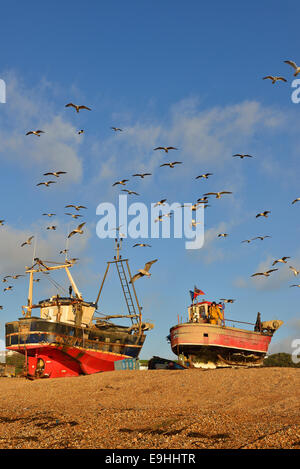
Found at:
[66, 339]
[205, 343]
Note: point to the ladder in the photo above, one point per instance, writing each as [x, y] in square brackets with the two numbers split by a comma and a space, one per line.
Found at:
[126, 290]
[134, 309]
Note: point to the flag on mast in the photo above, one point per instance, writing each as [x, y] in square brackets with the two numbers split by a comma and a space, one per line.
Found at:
[196, 292]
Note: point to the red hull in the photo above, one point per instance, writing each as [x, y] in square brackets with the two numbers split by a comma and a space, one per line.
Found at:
[56, 362]
[190, 334]
[209, 345]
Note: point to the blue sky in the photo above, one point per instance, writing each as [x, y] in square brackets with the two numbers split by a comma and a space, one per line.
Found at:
[168, 73]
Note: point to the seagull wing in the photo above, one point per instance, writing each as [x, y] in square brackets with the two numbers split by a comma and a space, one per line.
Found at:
[135, 277]
[84, 107]
[290, 62]
[148, 265]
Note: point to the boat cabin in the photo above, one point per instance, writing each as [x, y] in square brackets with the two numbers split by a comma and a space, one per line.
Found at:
[199, 312]
[67, 310]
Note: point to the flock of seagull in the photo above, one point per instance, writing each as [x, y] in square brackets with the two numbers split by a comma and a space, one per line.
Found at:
[202, 201]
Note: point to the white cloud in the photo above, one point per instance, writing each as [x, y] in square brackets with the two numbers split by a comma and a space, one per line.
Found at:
[45, 245]
[204, 137]
[282, 277]
[30, 109]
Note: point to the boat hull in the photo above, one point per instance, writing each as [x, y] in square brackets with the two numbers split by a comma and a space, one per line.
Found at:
[210, 345]
[56, 350]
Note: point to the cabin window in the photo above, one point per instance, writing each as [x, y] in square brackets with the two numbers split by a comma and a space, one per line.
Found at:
[203, 311]
[205, 334]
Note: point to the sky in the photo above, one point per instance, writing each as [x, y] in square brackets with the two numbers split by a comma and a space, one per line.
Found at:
[183, 74]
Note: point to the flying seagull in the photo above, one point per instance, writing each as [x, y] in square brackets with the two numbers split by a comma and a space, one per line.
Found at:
[263, 214]
[227, 301]
[294, 65]
[46, 183]
[116, 129]
[49, 214]
[77, 207]
[194, 223]
[222, 235]
[123, 182]
[241, 155]
[266, 274]
[283, 260]
[35, 132]
[74, 215]
[296, 272]
[2, 222]
[171, 165]
[142, 175]
[56, 174]
[15, 277]
[296, 200]
[77, 230]
[294, 286]
[77, 107]
[161, 202]
[262, 237]
[166, 149]
[143, 272]
[130, 192]
[64, 251]
[8, 288]
[142, 245]
[51, 228]
[274, 79]
[246, 241]
[205, 176]
[80, 132]
[218, 194]
[27, 242]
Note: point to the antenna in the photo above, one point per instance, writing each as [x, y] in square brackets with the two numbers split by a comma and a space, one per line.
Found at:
[118, 244]
[34, 250]
[67, 243]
